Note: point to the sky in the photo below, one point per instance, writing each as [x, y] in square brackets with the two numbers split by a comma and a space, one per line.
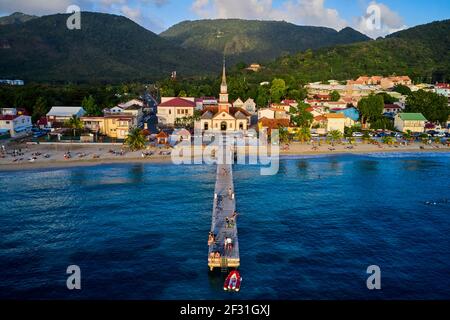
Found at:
[372, 17]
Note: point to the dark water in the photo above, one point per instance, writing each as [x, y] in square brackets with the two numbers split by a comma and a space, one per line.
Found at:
[310, 232]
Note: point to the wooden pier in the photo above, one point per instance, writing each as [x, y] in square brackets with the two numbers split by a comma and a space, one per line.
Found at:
[224, 206]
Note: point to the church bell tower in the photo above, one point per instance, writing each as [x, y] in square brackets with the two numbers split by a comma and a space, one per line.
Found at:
[223, 99]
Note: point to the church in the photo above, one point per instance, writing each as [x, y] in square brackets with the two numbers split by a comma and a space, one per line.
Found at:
[224, 117]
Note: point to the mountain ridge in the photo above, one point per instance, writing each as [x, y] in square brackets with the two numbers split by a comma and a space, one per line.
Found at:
[256, 40]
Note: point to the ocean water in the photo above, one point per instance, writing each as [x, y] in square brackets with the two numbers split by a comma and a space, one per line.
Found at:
[139, 231]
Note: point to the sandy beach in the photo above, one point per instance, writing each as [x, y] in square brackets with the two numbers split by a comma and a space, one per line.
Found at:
[53, 156]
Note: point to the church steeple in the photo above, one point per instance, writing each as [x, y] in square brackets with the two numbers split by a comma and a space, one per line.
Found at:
[223, 99]
[223, 86]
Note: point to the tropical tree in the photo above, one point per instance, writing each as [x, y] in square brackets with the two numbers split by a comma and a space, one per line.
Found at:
[277, 90]
[90, 106]
[335, 135]
[303, 134]
[402, 89]
[300, 116]
[433, 106]
[263, 97]
[283, 134]
[335, 96]
[371, 108]
[387, 140]
[388, 99]
[40, 109]
[135, 139]
[407, 135]
[75, 124]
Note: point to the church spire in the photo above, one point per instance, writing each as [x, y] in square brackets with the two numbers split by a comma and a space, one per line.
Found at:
[224, 74]
[223, 99]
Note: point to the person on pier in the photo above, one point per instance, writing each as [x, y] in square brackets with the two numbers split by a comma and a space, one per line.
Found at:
[230, 193]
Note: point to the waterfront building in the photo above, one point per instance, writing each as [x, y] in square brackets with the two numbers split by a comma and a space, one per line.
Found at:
[414, 122]
[115, 126]
[173, 108]
[15, 122]
[59, 114]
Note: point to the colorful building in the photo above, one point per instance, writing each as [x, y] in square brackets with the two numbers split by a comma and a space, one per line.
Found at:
[414, 122]
[171, 109]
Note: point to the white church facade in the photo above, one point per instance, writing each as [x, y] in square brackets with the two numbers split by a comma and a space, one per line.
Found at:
[224, 117]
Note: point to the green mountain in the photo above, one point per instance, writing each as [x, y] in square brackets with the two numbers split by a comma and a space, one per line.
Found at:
[256, 41]
[108, 48]
[16, 18]
[420, 52]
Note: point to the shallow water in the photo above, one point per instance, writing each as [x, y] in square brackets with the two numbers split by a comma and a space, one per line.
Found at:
[139, 231]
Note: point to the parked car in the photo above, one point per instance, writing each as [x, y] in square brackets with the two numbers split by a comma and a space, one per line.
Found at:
[39, 134]
[439, 135]
[357, 135]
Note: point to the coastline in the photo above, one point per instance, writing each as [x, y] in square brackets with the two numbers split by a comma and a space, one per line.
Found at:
[295, 150]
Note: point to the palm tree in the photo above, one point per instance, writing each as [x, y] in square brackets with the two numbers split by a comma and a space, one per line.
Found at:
[335, 135]
[303, 134]
[135, 139]
[407, 135]
[283, 134]
[75, 124]
[387, 140]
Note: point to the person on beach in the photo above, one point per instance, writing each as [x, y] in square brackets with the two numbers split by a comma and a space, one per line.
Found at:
[230, 193]
[227, 220]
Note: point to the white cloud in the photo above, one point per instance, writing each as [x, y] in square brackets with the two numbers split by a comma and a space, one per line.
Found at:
[133, 14]
[307, 12]
[389, 21]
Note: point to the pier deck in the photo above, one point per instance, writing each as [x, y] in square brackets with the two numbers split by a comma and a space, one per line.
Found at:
[224, 206]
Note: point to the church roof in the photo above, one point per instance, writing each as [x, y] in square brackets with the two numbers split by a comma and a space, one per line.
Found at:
[177, 102]
[207, 115]
[235, 112]
[240, 115]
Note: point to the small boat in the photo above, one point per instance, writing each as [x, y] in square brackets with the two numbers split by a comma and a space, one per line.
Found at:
[233, 282]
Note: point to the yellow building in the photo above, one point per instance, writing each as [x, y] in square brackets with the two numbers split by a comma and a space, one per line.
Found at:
[335, 121]
[115, 126]
[414, 122]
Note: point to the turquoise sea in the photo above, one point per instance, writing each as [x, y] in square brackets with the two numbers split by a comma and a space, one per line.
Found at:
[139, 231]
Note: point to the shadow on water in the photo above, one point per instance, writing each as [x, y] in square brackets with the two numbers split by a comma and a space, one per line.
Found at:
[302, 168]
[420, 164]
[367, 165]
[137, 173]
[216, 279]
[335, 164]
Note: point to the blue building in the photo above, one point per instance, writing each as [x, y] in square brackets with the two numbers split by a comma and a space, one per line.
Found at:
[351, 113]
